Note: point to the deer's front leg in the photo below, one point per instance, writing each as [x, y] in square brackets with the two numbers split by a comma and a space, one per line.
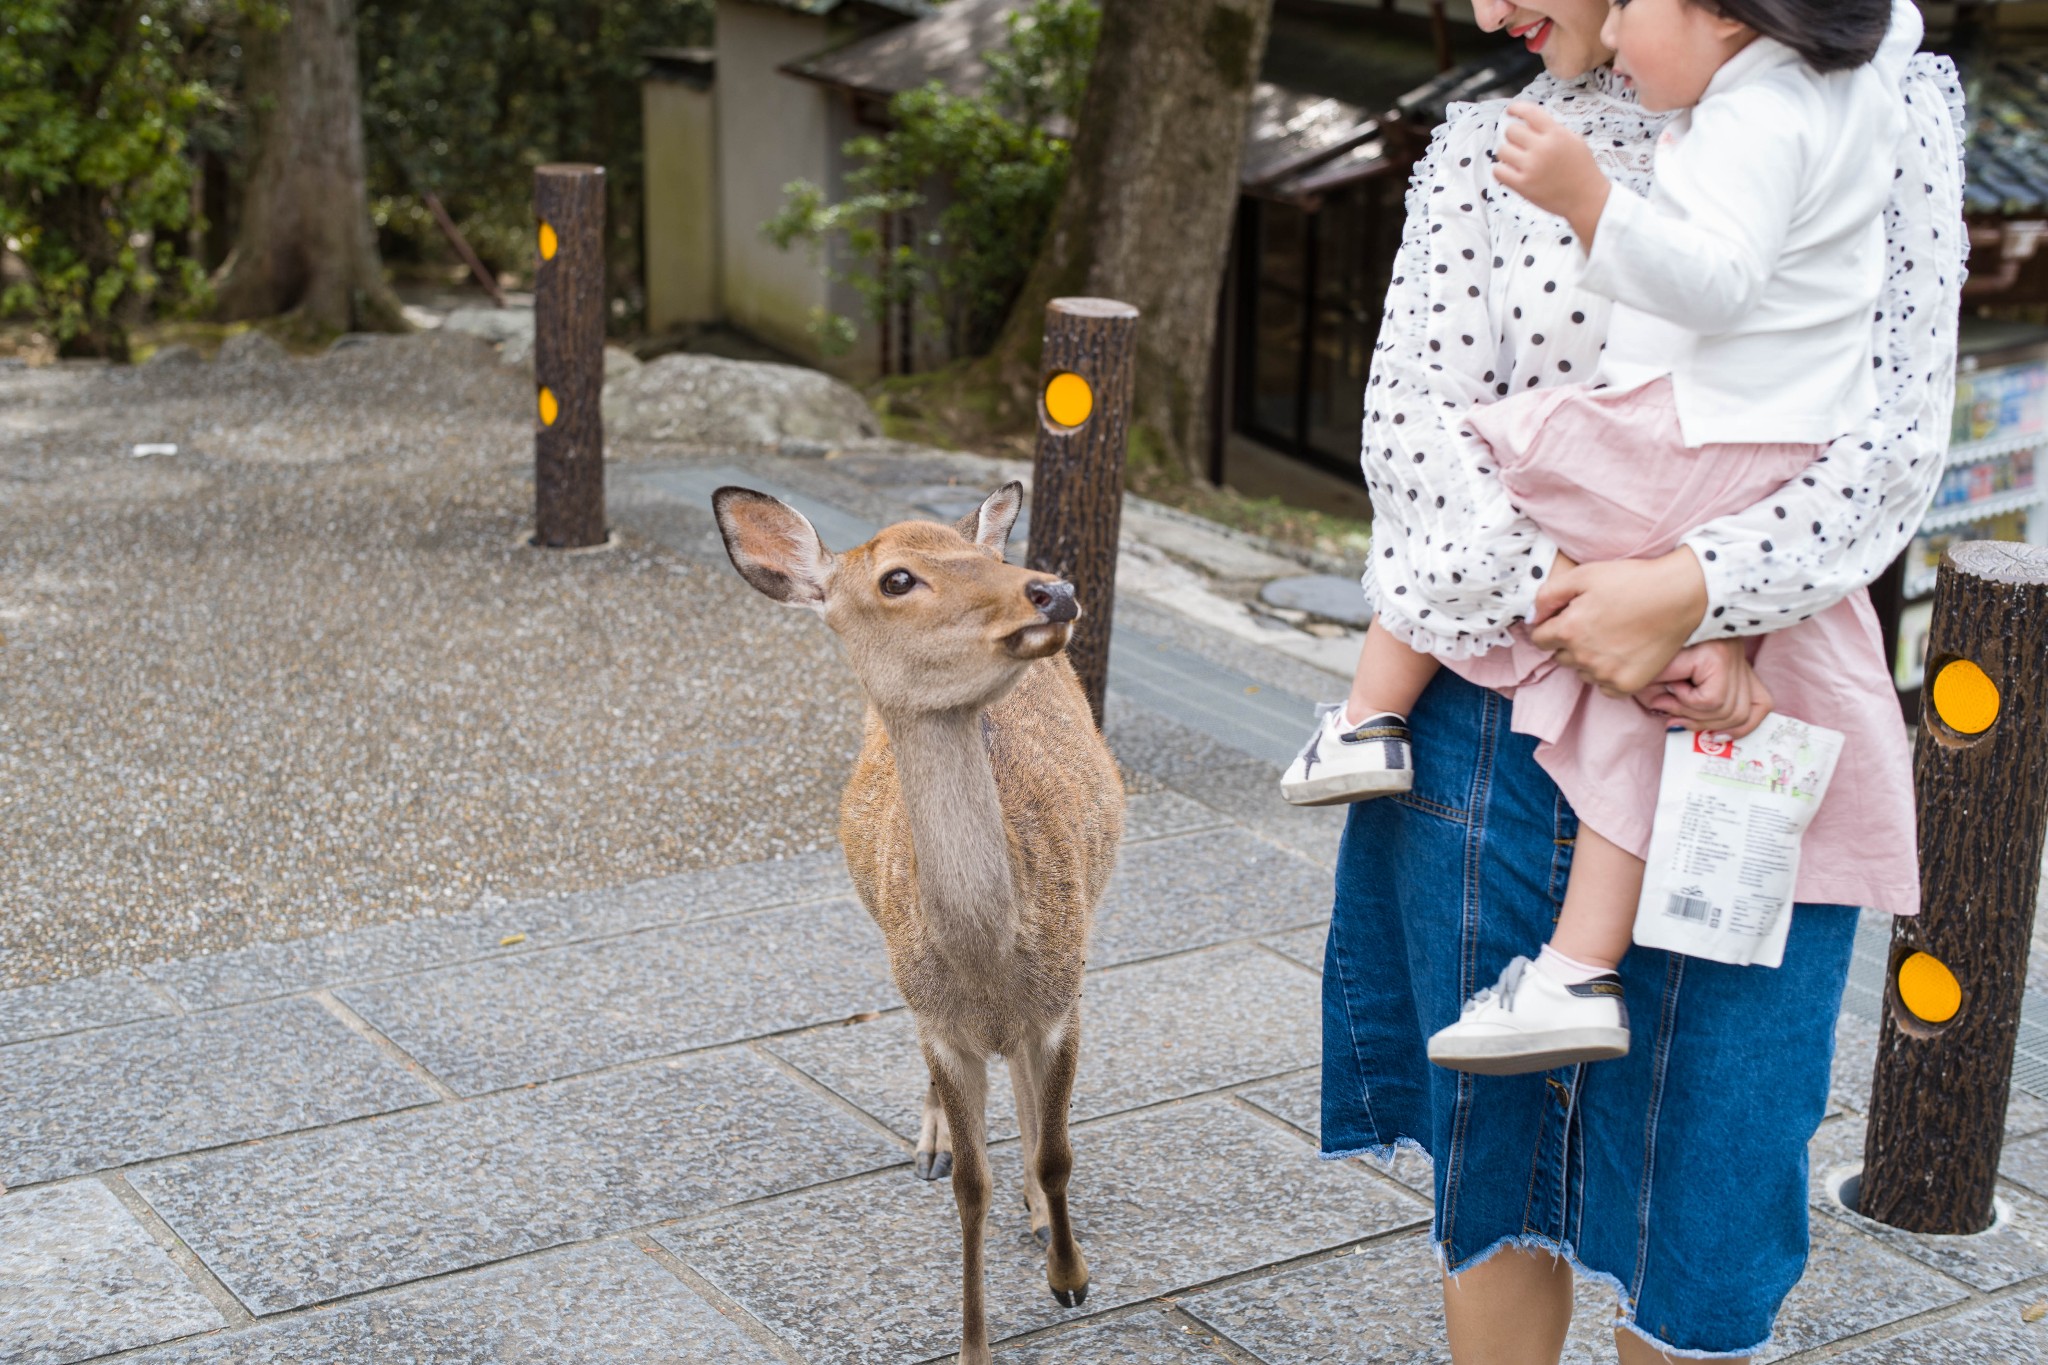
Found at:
[1024, 1087]
[1052, 1073]
[934, 1139]
[962, 1083]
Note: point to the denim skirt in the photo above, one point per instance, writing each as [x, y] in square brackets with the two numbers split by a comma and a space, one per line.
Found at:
[1676, 1174]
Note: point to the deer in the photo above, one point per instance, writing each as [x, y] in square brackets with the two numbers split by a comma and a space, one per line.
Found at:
[980, 826]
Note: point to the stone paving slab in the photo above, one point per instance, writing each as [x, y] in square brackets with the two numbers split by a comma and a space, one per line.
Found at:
[1852, 1284]
[1300, 1102]
[79, 1277]
[1158, 1031]
[1303, 945]
[1153, 743]
[604, 1303]
[1199, 889]
[1987, 1261]
[116, 997]
[1159, 1202]
[1249, 794]
[272, 969]
[1156, 815]
[1150, 1338]
[89, 1101]
[318, 1215]
[1991, 1335]
[485, 1026]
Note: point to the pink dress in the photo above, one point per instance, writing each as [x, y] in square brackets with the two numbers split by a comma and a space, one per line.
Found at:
[1607, 474]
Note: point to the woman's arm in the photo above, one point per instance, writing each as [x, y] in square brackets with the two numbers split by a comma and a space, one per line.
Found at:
[1453, 563]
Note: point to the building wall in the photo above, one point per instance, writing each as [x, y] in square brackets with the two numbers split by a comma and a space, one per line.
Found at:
[771, 129]
[683, 264]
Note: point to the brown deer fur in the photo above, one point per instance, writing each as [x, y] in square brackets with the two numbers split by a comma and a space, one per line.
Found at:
[980, 826]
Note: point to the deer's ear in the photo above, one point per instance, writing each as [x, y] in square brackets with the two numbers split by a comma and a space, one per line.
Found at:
[774, 547]
[989, 525]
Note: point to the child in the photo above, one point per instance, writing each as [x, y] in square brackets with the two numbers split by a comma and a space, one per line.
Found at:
[1739, 346]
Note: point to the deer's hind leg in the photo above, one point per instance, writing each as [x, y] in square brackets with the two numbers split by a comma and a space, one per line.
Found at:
[962, 1084]
[934, 1138]
[1051, 1068]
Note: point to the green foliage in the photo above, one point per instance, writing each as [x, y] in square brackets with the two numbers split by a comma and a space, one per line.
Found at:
[997, 158]
[466, 99]
[98, 99]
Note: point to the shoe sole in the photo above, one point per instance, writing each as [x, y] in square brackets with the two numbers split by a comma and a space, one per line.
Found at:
[1343, 791]
[1517, 1057]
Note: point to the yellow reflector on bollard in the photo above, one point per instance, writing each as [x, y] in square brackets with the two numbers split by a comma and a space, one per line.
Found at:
[550, 407]
[1929, 989]
[1068, 399]
[548, 243]
[1965, 698]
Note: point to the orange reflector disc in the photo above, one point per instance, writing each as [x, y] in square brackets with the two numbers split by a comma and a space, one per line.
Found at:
[548, 244]
[1965, 698]
[1068, 399]
[1929, 989]
[550, 407]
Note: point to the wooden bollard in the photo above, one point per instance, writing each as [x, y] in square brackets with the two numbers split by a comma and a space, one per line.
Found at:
[568, 357]
[1957, 972]
[1077, 480]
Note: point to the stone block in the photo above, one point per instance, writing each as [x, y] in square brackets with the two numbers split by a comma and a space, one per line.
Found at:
[488, 1025]
[1382, 1302]
[1329, 596]
[1148, 1338]
[360, 1207]
[1198, 889]
[79, 1277]
[386, 950]
[1159, 815]
[116, 997]
[89, 1101]
[1160, 1202]
[1158, 1031]
[1994, 1334]
[1986, 1261]
[1303, 945]
[1300, 1102]
[604, 1303]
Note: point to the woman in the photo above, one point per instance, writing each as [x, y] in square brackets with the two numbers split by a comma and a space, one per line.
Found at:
[1677, 1174]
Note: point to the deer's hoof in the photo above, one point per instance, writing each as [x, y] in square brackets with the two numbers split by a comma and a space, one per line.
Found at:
[1071, 1298]
[934, 1165]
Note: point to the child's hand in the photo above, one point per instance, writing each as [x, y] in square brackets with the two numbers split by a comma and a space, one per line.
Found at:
[1552, 168]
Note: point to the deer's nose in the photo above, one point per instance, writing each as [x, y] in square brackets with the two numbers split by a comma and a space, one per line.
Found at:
[1055, 599]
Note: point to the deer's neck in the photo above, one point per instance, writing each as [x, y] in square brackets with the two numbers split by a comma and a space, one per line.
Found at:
[965, 881]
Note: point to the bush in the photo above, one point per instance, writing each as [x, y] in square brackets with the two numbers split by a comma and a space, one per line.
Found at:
[97, 103]
[999, 159]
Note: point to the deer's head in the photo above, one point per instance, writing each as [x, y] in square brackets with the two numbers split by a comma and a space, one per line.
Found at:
[931, 616]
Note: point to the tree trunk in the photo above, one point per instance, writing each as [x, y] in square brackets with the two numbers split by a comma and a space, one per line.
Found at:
[305, 244]
[1146, 214]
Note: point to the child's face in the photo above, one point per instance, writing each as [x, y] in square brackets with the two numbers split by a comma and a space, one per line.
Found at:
[1670, 49]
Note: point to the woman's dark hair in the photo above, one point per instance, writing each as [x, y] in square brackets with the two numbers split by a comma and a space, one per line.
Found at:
[1832, 35]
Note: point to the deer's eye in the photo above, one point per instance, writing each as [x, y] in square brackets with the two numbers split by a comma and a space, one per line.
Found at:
[896, 582]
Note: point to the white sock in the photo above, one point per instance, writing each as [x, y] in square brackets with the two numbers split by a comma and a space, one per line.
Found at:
[1566, 971]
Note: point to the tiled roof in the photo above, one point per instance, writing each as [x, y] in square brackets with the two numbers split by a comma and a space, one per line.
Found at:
[2008, 141]
[944, 47]
[908, 9]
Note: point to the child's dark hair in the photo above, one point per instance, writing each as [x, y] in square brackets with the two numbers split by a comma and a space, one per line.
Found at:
[1832, 35]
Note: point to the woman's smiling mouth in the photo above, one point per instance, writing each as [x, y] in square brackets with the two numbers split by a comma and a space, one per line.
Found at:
[1535, 35]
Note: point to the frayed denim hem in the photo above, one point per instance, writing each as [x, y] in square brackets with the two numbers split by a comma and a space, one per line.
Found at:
[1625, 1321]
[1384, 1153]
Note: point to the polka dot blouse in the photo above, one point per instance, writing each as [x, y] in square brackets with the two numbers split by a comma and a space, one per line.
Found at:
[1485, 303]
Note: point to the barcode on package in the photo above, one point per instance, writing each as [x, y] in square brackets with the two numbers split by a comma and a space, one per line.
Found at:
[1695, 908]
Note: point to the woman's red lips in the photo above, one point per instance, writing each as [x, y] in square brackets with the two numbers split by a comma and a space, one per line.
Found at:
[1533, 36]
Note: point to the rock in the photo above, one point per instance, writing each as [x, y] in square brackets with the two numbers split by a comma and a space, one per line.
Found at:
[1326, 596]
[705, 400]
[178, 354]
[517, 351]
[495, 325]
[619, 362]
[252, 348]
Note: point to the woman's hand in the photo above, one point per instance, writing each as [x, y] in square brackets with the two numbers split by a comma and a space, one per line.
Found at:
[1711, 687]
[1618, 624]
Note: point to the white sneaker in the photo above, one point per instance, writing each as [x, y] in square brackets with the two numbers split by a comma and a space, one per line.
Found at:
[1342, 763]
[1528, 1022]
